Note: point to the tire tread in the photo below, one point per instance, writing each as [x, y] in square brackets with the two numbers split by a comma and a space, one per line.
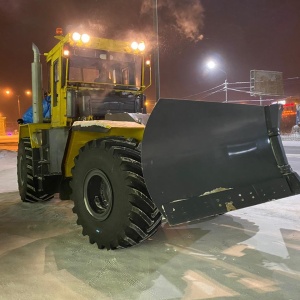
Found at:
[29, 192]
[144, 218]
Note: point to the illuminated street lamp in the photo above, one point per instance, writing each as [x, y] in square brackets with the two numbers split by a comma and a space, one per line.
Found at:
[9, 92]
[213, 65]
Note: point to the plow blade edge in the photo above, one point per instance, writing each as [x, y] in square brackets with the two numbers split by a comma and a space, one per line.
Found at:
[202, 159]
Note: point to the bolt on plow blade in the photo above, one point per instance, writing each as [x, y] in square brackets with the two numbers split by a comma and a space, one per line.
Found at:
[202, 159]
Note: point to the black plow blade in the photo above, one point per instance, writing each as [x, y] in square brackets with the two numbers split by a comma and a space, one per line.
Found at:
[202, 159]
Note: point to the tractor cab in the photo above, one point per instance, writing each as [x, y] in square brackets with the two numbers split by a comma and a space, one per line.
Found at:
[91, 77]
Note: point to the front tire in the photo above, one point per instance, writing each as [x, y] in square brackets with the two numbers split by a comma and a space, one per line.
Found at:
[28, 184]
[110, 197]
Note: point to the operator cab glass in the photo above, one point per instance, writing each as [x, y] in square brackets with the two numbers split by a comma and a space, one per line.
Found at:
[104, 68]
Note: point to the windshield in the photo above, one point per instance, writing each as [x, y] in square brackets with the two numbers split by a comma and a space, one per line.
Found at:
[104, 67]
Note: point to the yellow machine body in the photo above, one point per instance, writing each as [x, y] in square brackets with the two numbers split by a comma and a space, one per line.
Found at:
[124, 168]
[60, 84]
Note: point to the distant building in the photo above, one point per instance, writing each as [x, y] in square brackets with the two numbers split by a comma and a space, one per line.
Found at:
[290, 114]
[2, 125]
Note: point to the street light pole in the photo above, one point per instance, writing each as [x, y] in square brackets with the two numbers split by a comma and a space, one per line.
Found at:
[156, 50]
[16, 94]
[19, 108]
[226, 90]
[225, 85]
[212, 65]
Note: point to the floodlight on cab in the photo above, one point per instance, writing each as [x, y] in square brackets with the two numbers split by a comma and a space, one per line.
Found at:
[66, 52]
[134, 45]
[141, 46]
[76, 36]
[85, 38]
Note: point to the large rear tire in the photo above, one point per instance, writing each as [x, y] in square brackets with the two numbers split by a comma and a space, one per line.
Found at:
[28, 184]
[110, 197]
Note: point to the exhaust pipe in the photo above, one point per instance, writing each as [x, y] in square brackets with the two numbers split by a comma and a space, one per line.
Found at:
[37, 94]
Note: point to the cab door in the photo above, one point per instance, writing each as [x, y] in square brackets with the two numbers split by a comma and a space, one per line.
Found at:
[57, 83]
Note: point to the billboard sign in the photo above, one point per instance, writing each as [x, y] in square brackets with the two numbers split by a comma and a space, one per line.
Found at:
[269, 83]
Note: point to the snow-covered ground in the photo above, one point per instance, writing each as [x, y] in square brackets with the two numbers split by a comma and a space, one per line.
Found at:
[252, 253]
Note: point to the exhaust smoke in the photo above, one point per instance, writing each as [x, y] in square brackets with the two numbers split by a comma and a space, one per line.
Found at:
[186, 16]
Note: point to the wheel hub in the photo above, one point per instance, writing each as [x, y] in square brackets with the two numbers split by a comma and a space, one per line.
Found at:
[101, 203]
[98, 195]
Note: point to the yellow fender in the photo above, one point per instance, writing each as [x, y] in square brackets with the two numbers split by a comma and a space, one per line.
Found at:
[84, 131]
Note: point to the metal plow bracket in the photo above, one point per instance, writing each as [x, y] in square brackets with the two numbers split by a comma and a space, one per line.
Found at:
[201, 158]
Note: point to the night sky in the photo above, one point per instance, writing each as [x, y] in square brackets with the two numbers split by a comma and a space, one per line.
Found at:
[242, 35]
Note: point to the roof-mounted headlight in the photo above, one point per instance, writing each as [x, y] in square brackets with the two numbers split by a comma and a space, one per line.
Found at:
[142, 46]
[134, 45]
[138, 46]
[76, 36]
[85, 38]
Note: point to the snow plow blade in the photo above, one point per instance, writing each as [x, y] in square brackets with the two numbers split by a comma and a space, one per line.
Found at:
[202, 159]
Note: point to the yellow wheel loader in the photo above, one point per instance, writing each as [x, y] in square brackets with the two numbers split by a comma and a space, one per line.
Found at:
[125, 169]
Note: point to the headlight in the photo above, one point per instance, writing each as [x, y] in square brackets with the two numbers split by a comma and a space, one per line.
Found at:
[141, 46]
[134, 45]
[85, 38]
[138, 46]
[66, 53]
[76, 36]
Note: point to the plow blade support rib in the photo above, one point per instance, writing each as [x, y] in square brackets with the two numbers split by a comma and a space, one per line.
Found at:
[202, 158]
